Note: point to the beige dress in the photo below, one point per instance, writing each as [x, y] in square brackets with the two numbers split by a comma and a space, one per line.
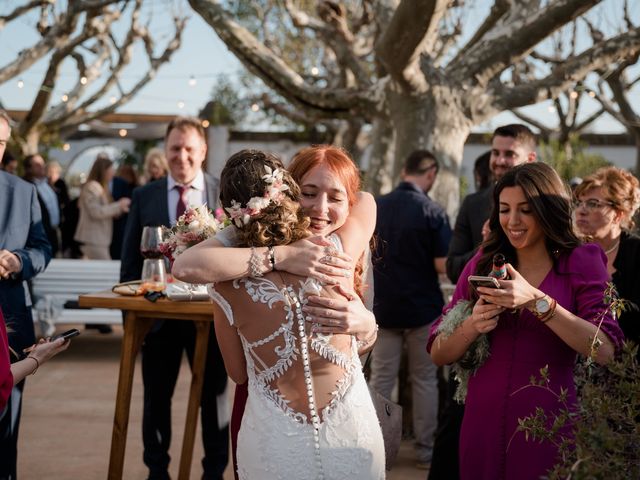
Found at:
[95, 224]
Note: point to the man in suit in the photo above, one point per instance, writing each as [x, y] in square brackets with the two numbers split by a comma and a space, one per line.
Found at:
[511, 145]
[35, 172]
[160, 203]
[413, 236]
[24, 252]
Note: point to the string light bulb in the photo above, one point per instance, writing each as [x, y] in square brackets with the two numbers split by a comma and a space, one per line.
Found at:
[550, 108]
[65, 98]
[592, 94]
[66, 147]
[573, 94]
[192, 81]
[122, 132]
[20, 83]
[112, 100]
[181, 104]
[255, 107]
[315, 71]
[205, 123]
[83, 80]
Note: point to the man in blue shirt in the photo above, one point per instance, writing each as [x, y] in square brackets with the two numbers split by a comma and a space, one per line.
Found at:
[412, 235]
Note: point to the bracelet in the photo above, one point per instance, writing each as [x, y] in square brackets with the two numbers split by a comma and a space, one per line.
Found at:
[255, 263]
[363, 343]
[37, 364]
[271, 251]
[552, 311]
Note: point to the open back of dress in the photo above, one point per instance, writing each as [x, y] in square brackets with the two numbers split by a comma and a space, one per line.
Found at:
[309, 413]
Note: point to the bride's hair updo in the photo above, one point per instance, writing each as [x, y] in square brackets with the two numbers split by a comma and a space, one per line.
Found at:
[277, 223]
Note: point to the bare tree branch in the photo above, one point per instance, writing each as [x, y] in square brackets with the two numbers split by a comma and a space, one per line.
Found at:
[82, 115]
[335, 31]
[492, 55]
[276, 73]
[498, 10]
[22, 10]
[571, 71]
[58, 36]
[544, 129]
[412, 30]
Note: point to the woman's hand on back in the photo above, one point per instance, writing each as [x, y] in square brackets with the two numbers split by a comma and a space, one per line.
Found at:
[344, 314]
[314, 257]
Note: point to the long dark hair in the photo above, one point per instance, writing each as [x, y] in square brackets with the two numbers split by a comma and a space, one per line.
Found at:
[550, 201]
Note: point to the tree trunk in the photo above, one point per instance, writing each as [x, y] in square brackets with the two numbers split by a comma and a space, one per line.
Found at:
[379, 179]
[434, 122]
[29, 143]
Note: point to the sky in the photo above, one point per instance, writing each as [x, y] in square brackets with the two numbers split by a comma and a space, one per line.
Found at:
[184, 85]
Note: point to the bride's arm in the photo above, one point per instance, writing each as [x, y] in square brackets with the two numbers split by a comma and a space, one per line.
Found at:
[210, 261]
[230, 346]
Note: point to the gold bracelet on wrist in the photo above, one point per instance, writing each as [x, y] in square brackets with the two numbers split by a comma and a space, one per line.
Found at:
[37, 364]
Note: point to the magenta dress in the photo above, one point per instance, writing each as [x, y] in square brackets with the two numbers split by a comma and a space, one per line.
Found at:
[490, 447]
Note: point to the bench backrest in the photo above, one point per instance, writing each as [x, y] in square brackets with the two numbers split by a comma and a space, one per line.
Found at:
[70, 278]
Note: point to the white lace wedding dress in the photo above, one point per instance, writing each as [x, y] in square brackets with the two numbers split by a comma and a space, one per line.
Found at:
[309, 414]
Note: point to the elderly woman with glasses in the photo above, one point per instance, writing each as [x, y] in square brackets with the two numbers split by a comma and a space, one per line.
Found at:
[606, 202]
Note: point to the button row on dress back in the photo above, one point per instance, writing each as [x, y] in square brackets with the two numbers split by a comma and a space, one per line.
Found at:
[304, 351]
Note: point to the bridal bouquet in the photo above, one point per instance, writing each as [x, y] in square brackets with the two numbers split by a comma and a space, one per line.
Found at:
[194, 225]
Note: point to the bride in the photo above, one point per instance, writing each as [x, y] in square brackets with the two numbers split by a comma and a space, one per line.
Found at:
[309, 413]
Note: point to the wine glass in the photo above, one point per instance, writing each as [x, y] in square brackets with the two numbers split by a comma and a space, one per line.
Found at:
[150, 242]
[154, 276]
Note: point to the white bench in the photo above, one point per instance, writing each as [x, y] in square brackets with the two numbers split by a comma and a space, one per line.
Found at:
[55, 292]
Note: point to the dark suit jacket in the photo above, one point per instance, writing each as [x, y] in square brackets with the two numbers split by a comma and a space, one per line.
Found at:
[149, 208]
[120, 188]
[467, 233]
[21, 232]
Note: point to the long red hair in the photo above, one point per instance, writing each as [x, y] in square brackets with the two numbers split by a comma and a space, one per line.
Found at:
[335, 158]
[343, 167]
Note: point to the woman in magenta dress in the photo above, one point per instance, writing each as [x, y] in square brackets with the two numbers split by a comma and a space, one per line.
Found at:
[546, 313]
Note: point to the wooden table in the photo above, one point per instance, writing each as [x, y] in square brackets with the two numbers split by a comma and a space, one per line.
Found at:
[140, 316]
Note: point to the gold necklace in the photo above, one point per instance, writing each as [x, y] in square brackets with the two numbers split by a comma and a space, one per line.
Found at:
[615, 245]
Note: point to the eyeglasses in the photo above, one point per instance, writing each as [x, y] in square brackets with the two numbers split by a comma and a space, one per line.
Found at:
[592, 204]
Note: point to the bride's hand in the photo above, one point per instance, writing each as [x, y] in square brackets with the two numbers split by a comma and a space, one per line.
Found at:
[314, 257]
[345, 314]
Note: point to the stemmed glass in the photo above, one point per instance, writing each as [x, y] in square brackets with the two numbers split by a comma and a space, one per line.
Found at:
[150, 242]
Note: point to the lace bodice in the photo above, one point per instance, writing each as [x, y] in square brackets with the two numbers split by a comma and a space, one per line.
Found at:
[280, 355]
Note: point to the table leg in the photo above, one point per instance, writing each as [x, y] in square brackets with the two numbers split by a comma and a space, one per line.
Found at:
[195, 393]
[135, 329]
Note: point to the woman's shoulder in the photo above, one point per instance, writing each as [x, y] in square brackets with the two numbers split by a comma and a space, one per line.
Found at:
[93, 187]
[585, 259]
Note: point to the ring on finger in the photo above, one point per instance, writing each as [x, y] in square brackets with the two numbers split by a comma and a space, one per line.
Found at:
[326, 259]
[329, 251]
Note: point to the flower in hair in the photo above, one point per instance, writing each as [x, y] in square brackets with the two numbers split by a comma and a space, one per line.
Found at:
[273, 192]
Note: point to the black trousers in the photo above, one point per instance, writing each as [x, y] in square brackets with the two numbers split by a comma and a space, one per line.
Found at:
[9, 426]
[444, 463]
[161, 358]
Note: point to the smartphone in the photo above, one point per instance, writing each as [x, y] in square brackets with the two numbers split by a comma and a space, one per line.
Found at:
[482, 281]
[74, 332]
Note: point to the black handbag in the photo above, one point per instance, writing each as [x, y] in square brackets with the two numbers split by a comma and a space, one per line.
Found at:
[390, 419]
